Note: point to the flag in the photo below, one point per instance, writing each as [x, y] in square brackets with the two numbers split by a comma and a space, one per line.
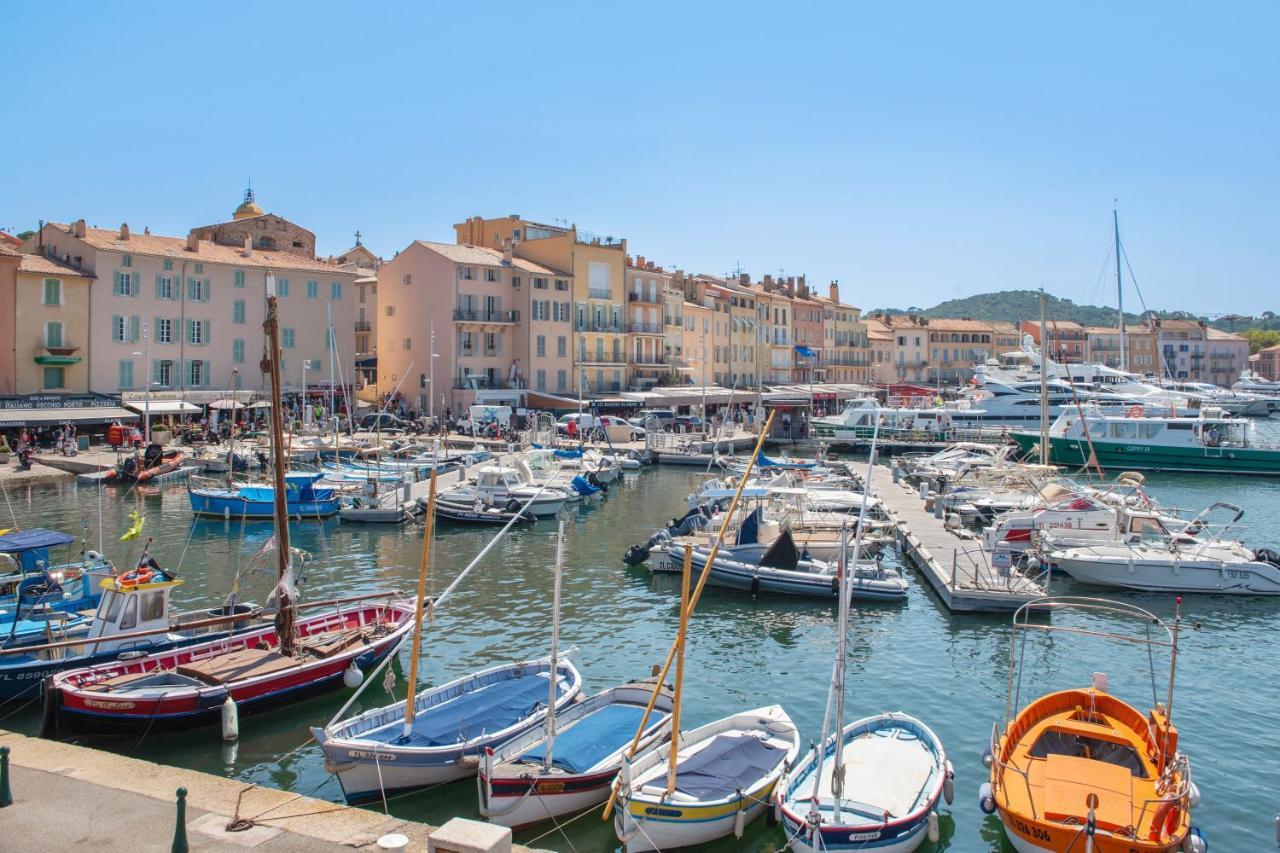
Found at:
[136, 520]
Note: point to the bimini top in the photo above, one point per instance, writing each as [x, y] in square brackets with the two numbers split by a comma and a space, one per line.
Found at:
[28, 540]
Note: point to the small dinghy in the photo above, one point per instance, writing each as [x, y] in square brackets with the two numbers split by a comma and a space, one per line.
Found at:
[725, 774]
[892, 771]
[452, 725]
[561, 770]
[478, 512]
[152, 463]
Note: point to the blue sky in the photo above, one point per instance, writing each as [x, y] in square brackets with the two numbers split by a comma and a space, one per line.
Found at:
[915, 151]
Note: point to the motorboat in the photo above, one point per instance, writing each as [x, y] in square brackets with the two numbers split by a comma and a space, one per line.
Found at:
[544, 774]
[1212, 442]
[859, 418]
[496, 485]
[1080, 768]
[132, 616]
[725, 773]
[150, 464]
[32, 586]
[480, 513]
[381, 504]
[305, 498]
[1253, 382]
[883, 794]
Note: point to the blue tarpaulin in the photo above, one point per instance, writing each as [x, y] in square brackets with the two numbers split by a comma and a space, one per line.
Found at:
[805, 351]
[595, 736]
[37, 537]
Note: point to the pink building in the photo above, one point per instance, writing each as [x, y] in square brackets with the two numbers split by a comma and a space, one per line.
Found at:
[501, 325]
[184, 315]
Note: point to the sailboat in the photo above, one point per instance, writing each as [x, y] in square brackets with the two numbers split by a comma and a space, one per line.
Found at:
[715, 779]
[253, 670]
[569, 763]
[887, 774]
[437, 736]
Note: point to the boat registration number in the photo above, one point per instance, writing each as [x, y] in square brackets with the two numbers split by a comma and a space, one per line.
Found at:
[1032, 831]
[550, 787]
[377, 756]
[1236, 574]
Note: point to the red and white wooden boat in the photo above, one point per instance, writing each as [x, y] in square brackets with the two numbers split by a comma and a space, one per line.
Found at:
[188, 686]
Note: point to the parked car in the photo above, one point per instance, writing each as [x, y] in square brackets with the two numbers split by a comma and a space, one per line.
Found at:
[663, 417]
[637, 431]
[583, 420]
[389, 422]
[688, 423]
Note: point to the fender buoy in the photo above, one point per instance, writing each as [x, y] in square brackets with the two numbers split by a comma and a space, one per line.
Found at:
[755, 585]
[1135, 411]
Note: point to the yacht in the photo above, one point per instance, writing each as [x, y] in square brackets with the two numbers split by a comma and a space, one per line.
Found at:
[498, 485]
[1254, 383]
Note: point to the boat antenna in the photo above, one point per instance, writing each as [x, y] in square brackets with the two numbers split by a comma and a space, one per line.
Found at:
[424, 568]
[1115, 219]
[270, 365]
[1044, 388]
[555, 645]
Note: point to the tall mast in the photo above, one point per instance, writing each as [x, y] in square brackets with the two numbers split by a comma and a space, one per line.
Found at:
[1044, 388]
[271, 366]
[685, 575]
[553, 687]
[424, 566]
[1115, 218]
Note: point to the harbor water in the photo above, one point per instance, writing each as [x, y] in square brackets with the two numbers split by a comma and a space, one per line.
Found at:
[951, 671]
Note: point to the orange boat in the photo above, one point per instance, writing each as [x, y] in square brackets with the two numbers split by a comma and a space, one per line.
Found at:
[142, 466]
[1081, 770]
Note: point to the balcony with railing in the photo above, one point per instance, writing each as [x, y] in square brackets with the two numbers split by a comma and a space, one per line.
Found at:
[647, 360]
[56, 354]
[601, 358]
[642, 328]
[502, 317]
[469, 383]
[645, 296]
[364, 326]
[602, 326]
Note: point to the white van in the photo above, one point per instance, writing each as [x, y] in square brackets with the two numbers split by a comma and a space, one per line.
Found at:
[488, 414]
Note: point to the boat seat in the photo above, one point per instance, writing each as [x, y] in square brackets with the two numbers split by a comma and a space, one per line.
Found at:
[1068, 781]
[234, 666]
[332, 642]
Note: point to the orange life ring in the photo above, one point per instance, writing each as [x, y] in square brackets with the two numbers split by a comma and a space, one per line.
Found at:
[1135, 411]
[137, 577]
[1165, 823]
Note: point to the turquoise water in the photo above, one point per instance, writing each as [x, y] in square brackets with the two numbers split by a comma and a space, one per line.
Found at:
[951, 671]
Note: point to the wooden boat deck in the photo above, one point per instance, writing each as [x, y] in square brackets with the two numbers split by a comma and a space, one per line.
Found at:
[955, 567]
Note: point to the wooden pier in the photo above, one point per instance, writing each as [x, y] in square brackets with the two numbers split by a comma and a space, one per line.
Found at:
[956, 567]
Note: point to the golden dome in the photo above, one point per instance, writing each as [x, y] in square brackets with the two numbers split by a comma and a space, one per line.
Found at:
[248, 208]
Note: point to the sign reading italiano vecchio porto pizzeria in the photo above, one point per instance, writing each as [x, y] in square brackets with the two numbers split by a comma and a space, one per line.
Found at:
[57, 401]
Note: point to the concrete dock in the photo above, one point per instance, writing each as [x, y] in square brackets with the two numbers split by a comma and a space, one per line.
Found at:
[72, 797]
[956, 567]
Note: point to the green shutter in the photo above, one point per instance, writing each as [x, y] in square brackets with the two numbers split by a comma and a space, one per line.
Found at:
[207, 290]
[135, 328]
[136, 288]
[206, 331]
[159, 292]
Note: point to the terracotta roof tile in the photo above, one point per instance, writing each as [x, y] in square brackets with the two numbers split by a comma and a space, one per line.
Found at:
[959, 325]
[176, 247]
[41, 265]
[482, 255]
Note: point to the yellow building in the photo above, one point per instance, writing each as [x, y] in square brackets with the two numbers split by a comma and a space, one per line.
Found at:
[845, 352]
[596, 275]
[45, 303]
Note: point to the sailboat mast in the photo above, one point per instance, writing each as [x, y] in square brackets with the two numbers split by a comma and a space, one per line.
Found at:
[837, 758]
[424, 566]
[1115, 219]
[685, 575]
[271, 366]
[555, 646]
[1044, 388]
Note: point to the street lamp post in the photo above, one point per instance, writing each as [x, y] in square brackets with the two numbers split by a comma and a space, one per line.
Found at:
[146, 393]
[431, 374]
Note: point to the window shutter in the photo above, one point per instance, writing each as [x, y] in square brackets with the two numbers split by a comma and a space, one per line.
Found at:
[155, 371]
[159, 292]
[135, 328]
[207, 290]
[204, 332]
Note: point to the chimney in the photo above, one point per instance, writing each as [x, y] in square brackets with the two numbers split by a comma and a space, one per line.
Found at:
[640, 261]
[248, 246]
[650, 265]
[768, 282]
[744, 279]
[835, 291]
[146, 230]
[124, 230]
[78, 228]
[506, 252]
[193, 242]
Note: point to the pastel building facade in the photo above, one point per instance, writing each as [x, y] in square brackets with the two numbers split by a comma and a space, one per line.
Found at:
[185, 315]
[501, 327]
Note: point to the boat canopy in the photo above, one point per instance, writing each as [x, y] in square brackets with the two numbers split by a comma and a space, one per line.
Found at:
[36, 537]
[728, 764]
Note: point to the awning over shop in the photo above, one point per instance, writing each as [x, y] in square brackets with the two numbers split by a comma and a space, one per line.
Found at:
[162, 407]
[67, 415]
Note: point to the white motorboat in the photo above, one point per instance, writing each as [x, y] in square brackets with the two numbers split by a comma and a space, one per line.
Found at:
[497, 485]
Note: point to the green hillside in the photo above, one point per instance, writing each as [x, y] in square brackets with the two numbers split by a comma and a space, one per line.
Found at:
[1012, 306]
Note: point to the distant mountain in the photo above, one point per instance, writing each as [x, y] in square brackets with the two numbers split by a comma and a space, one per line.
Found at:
[1013, 306]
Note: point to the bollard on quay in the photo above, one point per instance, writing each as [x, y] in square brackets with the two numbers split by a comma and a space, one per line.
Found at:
[6, 796]
[180, 827]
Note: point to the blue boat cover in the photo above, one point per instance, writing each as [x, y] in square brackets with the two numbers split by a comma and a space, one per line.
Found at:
[568, 454]
[765, 462]
[749, 532]
[582, 487]
[37, 537]
[726, 764]
[593, 737]
[476, 712]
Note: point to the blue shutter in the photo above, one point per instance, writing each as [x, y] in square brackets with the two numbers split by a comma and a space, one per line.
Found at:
[205, 332]
[135, 328]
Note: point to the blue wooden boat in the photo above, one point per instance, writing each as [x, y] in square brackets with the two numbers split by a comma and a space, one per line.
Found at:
[303, 497]
[34, 583]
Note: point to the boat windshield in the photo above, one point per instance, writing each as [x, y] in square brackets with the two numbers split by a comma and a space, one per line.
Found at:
[1059, 742]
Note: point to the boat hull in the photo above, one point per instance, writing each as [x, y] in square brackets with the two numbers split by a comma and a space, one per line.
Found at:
[677, 826]
[1131, 456]
[518, 803]
[1190, 576]
[731, 574]
[217, 506]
